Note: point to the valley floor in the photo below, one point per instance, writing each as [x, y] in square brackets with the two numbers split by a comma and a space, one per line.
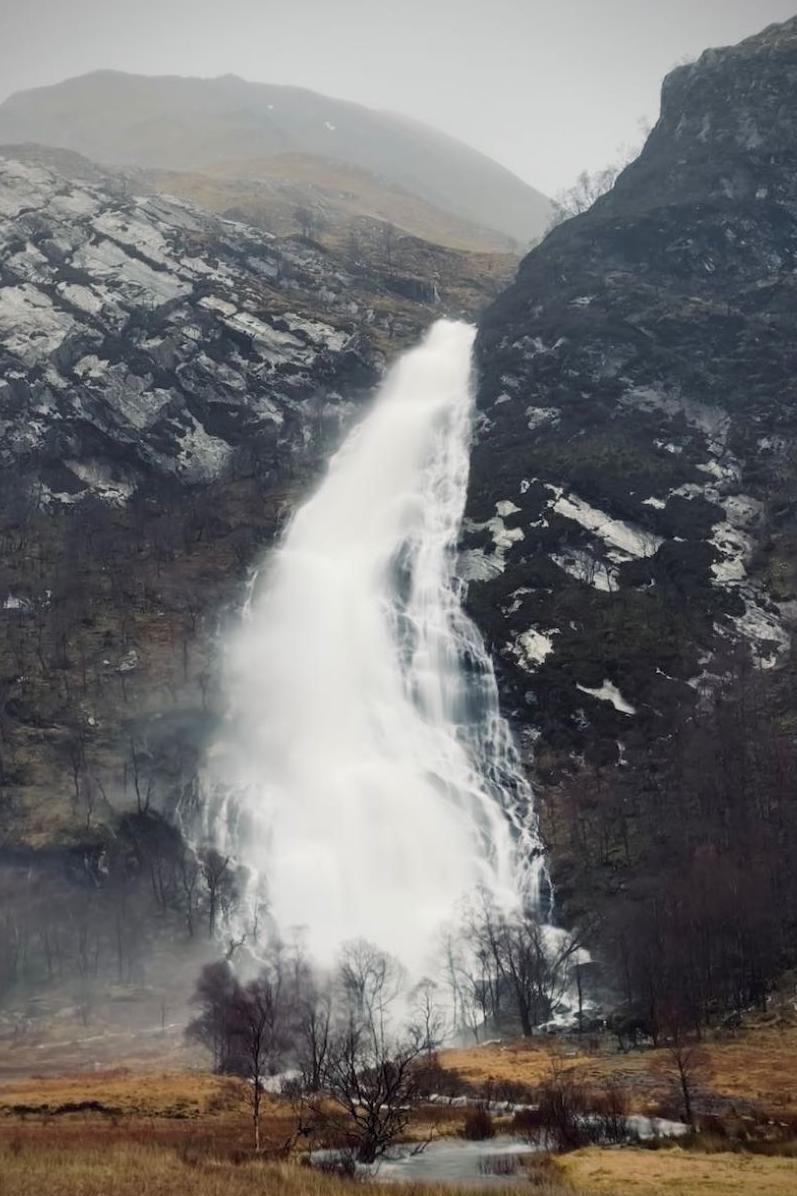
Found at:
[752, 1070]
[138, 1132]
[42, 1161]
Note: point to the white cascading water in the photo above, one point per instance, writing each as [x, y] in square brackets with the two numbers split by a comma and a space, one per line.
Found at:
[366, 779]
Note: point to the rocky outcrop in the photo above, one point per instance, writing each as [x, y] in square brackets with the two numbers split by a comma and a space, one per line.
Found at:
[140, 338]
[631, 514]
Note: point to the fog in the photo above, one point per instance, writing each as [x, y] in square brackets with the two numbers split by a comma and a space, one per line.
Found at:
[547, 87]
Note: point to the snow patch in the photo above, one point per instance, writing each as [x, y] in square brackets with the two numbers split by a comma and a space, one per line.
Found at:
[506, 507]
[98, 477]
[609, 693]
[630, 541]
[532, 647]
[583, 566]
[30, 326]
[538, 417]
[202, 457]
[81, 297]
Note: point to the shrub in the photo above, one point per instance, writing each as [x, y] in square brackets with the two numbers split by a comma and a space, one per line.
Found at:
[528, 1123]
[478, 1125]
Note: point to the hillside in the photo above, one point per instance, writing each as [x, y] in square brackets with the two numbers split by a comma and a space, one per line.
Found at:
[632, 534]
[183, 124]
[172, 383]
[630, 514]
[156, 361]
[338, 204]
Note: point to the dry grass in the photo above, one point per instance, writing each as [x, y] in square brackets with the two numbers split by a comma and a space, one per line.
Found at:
[181, 1133]
[164, 1135]
[168, 1094]
[58, 1163]
[677, 1172]
[146, 1170]
[183, 1110]
[269, 190]
[759, 1065]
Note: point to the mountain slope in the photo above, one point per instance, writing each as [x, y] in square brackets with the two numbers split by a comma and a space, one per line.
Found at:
[191, 124]
[337, 203]
[630, 507]
[632, 543]
[170, 382]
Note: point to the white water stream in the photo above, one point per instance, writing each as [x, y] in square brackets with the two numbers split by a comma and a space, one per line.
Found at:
[365, 777]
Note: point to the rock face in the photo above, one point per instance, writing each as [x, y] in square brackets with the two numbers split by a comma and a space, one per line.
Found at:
[632, 511]
[170, 383]
[128, 351]
[192, 124]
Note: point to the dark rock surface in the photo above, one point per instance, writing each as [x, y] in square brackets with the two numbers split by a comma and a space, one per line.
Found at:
[631, 513]
[141, 338]
[171, 383]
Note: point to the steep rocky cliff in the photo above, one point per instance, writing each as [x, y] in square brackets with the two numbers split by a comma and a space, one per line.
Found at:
[170, 382]
[632, 509]
[176, 123]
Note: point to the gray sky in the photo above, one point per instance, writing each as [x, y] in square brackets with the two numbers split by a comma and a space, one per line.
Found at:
[547, 87]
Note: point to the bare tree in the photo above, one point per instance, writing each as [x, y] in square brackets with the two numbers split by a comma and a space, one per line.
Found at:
[685, 1063]
[389, 239]
[579, 198]
[314, 1032]
[520, 968]
[374, 1084]
[310, 222]
[256, 1013]
[370, 981]
[429, 1020]
[216, 873]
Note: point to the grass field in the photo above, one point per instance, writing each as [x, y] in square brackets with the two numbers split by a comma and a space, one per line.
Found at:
[133, 1159]
[145, 1170]
[130, 1132]
[757, 1067]
[675, 1172]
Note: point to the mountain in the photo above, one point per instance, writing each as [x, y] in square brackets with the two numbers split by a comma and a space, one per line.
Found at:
[339, 205]
[630, 509]
[170, 382]
[631, 529]
[185, 124]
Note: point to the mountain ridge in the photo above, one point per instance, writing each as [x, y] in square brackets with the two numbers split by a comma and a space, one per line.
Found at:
[154, 121]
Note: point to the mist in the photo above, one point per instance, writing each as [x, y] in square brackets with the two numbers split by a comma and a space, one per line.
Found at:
[547, 89]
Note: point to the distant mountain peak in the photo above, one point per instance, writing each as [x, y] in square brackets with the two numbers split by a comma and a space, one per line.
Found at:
[183, 123]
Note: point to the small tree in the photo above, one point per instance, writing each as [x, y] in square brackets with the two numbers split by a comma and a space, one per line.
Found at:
[371, 1076]
[374, 1084]
[429, 1021]
[314, 1032]
[686, 1064]
[310, 222]
[579, 198]
[216, 874]
[256, 1017]
[213, 1028]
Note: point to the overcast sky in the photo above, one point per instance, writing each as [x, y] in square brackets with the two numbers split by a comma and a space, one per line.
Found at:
[547, 87]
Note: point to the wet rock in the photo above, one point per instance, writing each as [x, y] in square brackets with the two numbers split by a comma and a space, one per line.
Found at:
[638, 398]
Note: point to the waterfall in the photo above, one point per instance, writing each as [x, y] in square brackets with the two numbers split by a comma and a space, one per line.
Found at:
[365, 777]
